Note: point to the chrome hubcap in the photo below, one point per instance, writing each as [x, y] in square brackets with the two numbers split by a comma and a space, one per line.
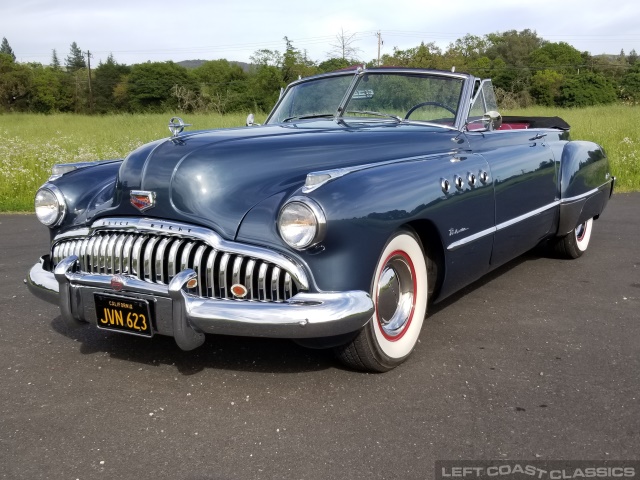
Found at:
[395, 296]
[580, 231]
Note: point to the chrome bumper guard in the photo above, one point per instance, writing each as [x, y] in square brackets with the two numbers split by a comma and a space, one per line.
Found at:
[188, 317]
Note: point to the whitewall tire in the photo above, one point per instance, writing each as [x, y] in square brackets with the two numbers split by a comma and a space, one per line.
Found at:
[399, 290]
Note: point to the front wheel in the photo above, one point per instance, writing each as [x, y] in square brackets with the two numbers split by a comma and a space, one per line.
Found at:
[399, 292]
[575, 243]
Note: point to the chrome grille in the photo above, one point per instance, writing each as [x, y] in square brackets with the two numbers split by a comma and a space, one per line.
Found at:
[158, 258]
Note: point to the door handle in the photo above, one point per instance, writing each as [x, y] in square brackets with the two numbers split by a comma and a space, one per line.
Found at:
[538, 136]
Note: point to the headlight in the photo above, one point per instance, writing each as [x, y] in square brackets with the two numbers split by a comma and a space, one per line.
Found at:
[50, 206]
[301, 223]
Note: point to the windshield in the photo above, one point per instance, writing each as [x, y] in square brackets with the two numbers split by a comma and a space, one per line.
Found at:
[427, 98]
[378, 95]
[311, 99]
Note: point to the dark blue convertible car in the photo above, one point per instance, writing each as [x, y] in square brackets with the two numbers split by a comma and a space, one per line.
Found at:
[366, 195]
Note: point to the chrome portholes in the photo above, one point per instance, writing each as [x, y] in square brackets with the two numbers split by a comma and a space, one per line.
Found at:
[471, 178]
[395, 295]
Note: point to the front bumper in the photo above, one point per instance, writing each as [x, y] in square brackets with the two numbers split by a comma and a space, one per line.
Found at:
[187, 317]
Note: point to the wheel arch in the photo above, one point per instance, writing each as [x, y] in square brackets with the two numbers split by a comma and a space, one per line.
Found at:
[434, 253]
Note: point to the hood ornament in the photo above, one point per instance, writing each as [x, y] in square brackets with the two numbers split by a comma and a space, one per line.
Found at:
[177, 125]
[142, 199]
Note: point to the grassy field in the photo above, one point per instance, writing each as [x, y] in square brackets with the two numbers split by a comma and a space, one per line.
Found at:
[32, 144]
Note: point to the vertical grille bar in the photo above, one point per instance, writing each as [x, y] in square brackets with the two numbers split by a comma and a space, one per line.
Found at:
[160, 271]
[288, 286]
[136, 258]
[186, 253]
[262, 282]
[172, 261]
[211, 258]
[248, 279]
[222, 276]
[126, 255]
[275, 281]
[149, 264]
[95, 259]
[110, 260]
[117, 254]
[200, 271]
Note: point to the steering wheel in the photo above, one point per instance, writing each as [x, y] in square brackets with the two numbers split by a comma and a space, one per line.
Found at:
[424, 104]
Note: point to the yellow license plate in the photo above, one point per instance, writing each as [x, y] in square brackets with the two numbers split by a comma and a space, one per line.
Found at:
[122, 314]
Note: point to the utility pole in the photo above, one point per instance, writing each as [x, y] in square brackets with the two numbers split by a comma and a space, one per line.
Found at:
[90, 90]
[379, 35]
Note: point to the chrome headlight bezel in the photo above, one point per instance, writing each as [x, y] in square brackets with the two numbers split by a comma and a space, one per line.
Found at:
[57, 209]
[313, 215]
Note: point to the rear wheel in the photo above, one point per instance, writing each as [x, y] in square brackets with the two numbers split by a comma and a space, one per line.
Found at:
[399, 292]
[575, 243]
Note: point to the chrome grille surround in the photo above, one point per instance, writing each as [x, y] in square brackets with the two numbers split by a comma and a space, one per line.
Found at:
[155, 251]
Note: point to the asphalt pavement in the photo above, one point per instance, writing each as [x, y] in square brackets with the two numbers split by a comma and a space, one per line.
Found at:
[539, 360]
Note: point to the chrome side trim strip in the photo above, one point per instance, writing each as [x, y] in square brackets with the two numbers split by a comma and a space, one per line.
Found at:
[332, 174]
[471, 238]
[579, 197]
[530, 214]
[501, 226]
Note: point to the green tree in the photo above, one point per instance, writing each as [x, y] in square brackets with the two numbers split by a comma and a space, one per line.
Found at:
[223, 86]
[48, 91]
[630, 84]
[561, 57]
[265, 83]
[425, 55]
[333, 64]
[107, 76]
[75, 60]
[586, 89]
[55, 61]
[151, 86]
[295, 64]
[6, 48]
[514, 49]
[545, 86]
[15, 84]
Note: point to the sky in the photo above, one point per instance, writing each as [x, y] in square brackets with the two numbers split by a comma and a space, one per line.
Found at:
[136, 31]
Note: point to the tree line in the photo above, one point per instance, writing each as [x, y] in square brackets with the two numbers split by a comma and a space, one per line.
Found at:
[526, 70]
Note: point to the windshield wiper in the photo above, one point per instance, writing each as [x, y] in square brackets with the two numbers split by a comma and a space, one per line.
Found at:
[304, 117]
[377, 114]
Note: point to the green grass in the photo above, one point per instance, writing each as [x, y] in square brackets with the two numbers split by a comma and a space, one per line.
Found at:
[32, 144]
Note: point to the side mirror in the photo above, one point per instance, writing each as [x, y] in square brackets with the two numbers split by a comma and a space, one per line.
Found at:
[251, 120]
[492, 120]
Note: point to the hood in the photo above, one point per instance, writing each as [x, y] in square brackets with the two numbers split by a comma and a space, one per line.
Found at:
[214, 178]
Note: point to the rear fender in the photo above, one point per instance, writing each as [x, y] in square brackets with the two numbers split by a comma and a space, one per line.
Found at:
[585, 184]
